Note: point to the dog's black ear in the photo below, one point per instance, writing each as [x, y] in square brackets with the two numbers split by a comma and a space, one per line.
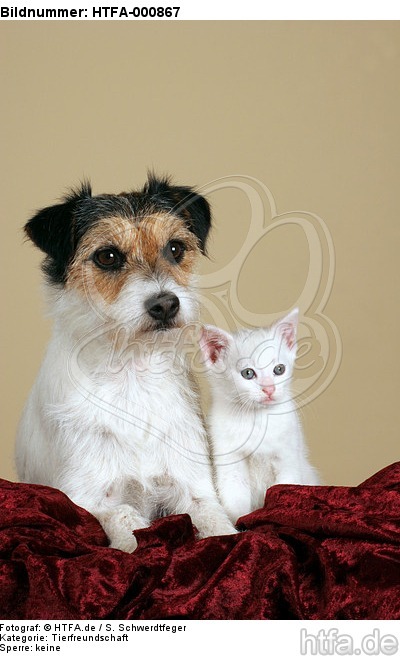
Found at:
[184, 202]
[52, 229]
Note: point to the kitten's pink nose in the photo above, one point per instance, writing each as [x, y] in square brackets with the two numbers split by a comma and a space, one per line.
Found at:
[268, 390]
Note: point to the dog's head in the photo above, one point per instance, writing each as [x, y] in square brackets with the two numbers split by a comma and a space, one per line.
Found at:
[131, 254]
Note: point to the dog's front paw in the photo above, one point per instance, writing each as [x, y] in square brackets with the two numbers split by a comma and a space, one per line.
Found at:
[124, 542]
[119, 524]
[213, 528]
[226, 529]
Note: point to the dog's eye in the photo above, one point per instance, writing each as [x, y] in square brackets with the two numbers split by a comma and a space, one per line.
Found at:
[248, 374]
[108, 258]
[279, 369]
[175, 251]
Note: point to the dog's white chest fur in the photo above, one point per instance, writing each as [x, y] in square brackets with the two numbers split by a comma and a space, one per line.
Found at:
[127, 445]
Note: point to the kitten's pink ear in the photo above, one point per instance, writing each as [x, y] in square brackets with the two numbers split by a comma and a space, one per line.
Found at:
[214, 343]
[287, 327]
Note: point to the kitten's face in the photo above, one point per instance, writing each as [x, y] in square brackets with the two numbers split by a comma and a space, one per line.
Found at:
[252, 368]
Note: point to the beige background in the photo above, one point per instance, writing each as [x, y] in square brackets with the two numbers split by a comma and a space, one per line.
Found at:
[309, 109]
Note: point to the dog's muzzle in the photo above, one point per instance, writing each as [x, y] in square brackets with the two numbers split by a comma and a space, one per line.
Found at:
[162, 308]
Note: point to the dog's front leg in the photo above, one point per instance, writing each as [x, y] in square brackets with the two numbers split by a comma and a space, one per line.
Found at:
[107, 503]
[119, 523]
[209, 517]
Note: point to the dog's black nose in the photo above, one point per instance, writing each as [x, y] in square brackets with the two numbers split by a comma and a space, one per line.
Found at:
[162, 307]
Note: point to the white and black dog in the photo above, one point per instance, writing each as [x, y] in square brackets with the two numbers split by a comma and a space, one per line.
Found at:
[125, 442]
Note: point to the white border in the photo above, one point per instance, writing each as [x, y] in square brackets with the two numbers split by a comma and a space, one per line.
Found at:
[217, 10]
[295, 637]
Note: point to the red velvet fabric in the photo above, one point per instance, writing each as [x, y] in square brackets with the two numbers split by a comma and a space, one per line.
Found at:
[310, 553]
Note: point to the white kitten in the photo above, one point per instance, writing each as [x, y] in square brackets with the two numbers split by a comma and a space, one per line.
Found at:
[256, 435]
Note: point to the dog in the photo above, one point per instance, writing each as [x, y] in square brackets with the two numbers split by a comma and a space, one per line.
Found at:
[113, 419]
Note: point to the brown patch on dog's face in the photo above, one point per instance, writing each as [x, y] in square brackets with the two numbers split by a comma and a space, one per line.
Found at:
[143, 247]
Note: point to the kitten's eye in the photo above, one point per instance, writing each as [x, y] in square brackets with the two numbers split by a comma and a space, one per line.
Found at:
[175, 250]
[108, 258]
[279, 369]
[248, 374]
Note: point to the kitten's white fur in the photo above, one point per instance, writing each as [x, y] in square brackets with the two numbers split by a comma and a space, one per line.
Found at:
[257, 438]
